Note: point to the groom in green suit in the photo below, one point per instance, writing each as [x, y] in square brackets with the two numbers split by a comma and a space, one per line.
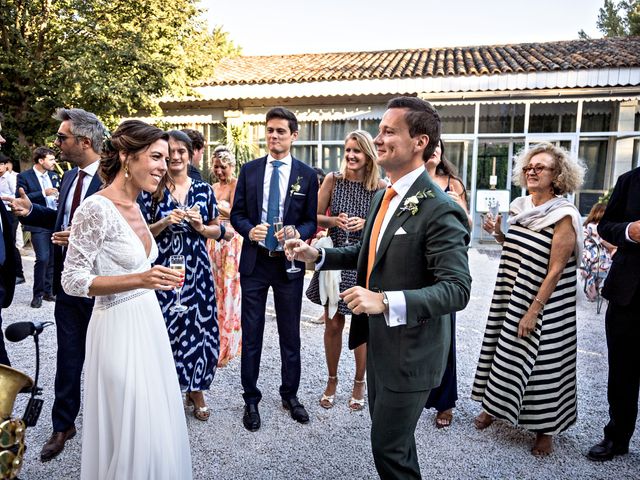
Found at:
[413, 272]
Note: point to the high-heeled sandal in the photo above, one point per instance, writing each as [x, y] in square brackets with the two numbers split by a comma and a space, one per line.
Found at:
[357, 404]
[327, 401]
[201, 413]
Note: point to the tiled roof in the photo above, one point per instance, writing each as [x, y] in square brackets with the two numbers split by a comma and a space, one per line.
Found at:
[430, 62]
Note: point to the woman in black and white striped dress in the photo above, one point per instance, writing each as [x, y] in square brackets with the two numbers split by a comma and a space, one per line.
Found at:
[527, 368]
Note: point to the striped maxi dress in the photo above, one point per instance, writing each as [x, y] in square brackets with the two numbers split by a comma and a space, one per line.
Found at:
[531, 381]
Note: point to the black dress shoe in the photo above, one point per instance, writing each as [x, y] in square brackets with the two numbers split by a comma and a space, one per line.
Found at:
[606, 450]
[36, 302]
[298, 413]
[49, 297]
[55, 444]
[20, 280]
[251, 417]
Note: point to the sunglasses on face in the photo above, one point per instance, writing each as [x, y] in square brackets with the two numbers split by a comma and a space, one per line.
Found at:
[61, 137]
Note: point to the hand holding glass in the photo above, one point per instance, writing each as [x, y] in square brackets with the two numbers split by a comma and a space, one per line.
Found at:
[290, 234]
[176, 262]
[277, 226]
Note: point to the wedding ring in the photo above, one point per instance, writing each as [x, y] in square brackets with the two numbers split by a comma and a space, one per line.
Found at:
[164, 277]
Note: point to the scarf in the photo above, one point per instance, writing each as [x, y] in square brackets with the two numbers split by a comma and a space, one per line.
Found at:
[524, 212]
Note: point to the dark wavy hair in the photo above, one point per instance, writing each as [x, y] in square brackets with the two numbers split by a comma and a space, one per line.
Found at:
[131, 137]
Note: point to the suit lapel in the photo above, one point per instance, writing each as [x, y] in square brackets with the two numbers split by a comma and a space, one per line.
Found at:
[94, 186]
[295, 169]
[67, 181]
[400, 217]
[259, 177]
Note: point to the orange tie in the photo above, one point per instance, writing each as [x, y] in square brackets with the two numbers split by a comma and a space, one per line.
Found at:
[375, 232]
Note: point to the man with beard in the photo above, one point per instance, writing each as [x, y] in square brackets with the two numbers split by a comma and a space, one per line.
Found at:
[41, 184]
[79, 138]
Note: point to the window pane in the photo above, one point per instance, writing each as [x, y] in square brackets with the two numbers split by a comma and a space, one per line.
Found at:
[457, 118]
[550, 118]
[594, 154]
[307, 131]
[635, 161]
[370, 126]
[502, 118]
[305, 153]
[596, 116]
[331, 157]
[455, 153]
[257, 132]
[586, 200]
[338, 129]
[487, 153]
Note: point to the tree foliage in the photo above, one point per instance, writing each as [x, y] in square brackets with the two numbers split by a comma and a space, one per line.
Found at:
[619, 19]
[111, 57]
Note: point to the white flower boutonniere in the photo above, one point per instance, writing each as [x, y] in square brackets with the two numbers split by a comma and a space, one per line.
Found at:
[412, 204]
[295, 188]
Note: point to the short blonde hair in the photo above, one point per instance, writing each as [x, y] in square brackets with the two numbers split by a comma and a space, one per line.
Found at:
[225, 156]
[365, 143]
[568, 171]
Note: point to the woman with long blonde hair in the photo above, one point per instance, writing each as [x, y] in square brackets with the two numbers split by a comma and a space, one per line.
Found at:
[347, 194]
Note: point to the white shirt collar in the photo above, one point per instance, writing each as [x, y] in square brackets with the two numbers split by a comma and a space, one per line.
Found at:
[286, 160]
[92, 168]
[402, 185]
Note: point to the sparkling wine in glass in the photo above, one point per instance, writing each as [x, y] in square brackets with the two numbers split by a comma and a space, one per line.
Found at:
[346, 232]
[290, 234]
[277, 226]
[176, 262]
[494, 209]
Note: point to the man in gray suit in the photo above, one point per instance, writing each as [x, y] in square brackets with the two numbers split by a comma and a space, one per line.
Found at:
[413, 272]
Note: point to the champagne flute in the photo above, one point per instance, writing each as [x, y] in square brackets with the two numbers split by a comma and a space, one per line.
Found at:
[290, 234]
[346, 231]
[277, 226]
[494, 209]
[176, 262]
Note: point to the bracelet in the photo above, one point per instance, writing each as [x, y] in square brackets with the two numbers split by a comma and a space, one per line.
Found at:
[223, 232]
[539, 301]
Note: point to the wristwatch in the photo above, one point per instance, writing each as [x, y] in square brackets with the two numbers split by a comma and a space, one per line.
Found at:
[385, 300]
[320, 255]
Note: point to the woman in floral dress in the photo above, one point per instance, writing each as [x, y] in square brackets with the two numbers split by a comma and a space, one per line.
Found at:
[225, 258]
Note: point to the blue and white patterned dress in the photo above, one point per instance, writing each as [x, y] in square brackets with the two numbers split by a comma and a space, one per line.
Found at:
[193, 334]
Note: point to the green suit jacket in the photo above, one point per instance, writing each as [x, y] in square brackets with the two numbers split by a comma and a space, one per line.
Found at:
[429, 265]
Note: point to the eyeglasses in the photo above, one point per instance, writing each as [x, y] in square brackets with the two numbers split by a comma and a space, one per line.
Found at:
[537, 169]
[61, 137]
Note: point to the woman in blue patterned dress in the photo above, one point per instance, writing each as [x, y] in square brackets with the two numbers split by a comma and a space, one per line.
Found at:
[182, 216]
[347, 195]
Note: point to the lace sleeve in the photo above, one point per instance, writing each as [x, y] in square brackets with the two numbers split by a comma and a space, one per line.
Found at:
[88, 232]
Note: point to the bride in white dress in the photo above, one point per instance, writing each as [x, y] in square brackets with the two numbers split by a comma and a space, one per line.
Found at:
[134, 425]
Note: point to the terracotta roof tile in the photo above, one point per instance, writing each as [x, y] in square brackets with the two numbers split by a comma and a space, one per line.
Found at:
[430, 62]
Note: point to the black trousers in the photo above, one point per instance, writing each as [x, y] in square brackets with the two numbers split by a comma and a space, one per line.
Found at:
[72, 316]
[287, 296]
[623, 341]
[43, 268]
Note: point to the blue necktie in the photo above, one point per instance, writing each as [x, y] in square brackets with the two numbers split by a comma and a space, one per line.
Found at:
[273, 205]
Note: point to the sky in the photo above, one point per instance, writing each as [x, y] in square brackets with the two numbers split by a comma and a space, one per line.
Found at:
[285, 26]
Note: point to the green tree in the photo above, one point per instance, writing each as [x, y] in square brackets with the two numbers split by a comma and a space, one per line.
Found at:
[619, 19]
[111, 57]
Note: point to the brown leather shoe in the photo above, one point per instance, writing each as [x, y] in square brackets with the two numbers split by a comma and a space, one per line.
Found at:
[55, 444]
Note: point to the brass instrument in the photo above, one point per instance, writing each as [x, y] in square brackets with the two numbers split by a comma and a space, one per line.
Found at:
[11, 429]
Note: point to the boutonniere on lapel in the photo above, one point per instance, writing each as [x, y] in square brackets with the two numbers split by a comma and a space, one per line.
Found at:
[412, 204]
[295, 188]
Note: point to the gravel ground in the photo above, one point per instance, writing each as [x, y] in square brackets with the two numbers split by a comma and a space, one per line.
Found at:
[335, 444]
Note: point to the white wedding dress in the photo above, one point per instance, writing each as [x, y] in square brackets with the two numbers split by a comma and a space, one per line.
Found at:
[134, 425]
